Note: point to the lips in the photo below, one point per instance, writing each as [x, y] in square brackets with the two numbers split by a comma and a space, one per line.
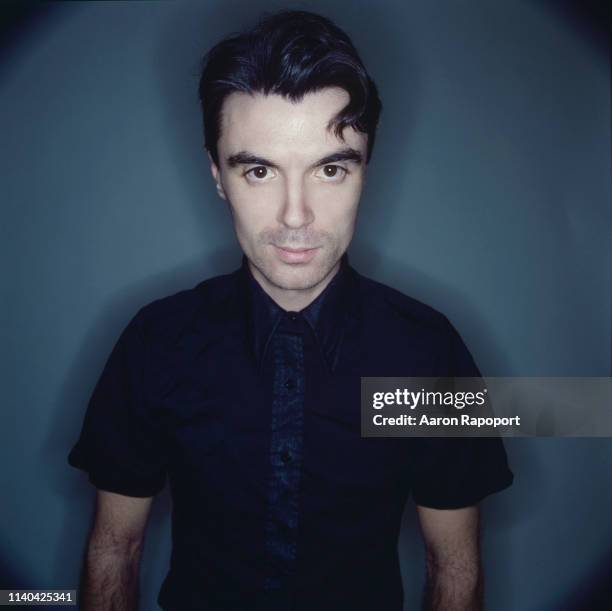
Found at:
[296, 249]
[295, 255]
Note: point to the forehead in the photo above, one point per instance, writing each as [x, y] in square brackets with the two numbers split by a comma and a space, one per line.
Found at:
[275, 126]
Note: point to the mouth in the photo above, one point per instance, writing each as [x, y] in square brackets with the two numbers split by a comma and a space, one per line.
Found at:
[295, 255]
[287, 249]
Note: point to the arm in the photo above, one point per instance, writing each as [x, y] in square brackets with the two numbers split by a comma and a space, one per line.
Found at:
[111, 568]
[454, 580]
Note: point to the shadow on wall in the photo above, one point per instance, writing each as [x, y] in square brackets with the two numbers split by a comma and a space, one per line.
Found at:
[590, 19]
[11, 577]
[596, 594]
[21, 22]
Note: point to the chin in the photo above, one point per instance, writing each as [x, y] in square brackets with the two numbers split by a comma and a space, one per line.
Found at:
[296, 277]
[293, 276]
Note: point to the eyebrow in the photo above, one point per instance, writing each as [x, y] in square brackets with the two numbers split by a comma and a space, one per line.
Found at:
[246, 158]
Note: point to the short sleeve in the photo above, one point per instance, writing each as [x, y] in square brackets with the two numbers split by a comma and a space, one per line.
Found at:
[454, 472]
[121, 445]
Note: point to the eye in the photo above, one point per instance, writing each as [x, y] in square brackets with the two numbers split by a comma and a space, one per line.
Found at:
[332, 172]
[259, 173]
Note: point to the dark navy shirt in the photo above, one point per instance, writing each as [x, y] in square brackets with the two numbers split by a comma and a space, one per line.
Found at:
[252, 414]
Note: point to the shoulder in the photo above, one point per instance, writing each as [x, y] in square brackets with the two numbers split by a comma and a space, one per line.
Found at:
[389, 304]
[204, 304]
[403, 322]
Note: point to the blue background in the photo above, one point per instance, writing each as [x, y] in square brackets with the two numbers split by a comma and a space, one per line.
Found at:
[488, 197]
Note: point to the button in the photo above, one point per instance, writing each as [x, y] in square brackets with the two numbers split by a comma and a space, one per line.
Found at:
[293, 316]
[290, 384]
[286, 456]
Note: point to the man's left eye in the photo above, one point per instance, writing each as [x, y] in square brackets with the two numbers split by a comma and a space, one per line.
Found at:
[333, 171]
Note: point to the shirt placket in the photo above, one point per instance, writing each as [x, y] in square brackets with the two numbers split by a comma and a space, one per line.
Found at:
[287, 417]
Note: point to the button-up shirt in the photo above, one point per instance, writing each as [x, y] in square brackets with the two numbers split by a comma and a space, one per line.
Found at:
[252, 415]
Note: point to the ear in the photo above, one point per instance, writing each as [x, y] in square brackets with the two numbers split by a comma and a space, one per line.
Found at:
[216, 174]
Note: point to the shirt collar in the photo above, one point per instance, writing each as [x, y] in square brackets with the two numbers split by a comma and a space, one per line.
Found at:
[329, 315]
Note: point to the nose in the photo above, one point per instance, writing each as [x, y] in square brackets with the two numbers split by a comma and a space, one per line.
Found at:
[295, 211]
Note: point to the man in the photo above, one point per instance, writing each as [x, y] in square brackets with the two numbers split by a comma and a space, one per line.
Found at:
[244, 391]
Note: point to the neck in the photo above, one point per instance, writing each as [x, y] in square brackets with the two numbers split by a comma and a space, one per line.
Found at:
[293, 300]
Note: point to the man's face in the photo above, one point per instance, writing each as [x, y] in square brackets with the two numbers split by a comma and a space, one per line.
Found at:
[292, 186]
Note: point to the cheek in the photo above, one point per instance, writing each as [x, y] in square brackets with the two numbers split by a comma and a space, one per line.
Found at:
[252, 208]
[337, 207]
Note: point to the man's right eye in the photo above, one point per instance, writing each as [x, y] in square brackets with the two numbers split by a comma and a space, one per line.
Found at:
[258, 173]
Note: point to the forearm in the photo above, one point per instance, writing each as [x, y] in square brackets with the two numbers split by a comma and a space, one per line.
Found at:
[456, 587]
[110, 578]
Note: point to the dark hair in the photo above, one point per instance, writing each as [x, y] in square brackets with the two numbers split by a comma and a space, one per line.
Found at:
[290, 53]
